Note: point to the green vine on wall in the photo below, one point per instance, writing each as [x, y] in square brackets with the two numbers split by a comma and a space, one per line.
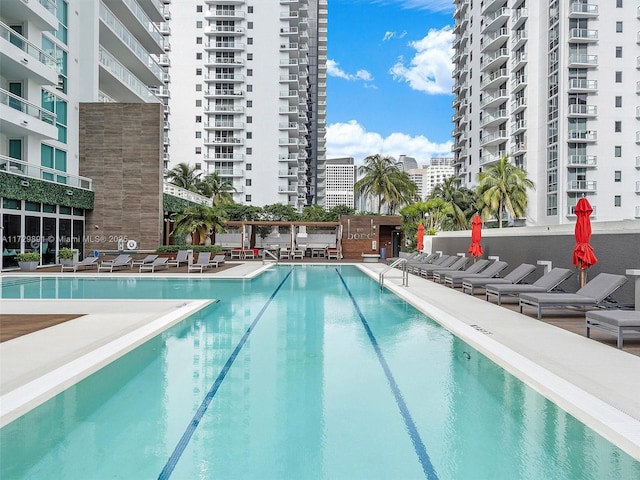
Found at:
[44, 192]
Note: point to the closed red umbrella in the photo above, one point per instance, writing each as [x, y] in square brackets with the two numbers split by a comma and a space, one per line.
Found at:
[420, 237]
[475, 249]
[583, 256]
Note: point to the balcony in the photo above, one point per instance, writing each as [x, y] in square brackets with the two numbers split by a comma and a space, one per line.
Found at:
[495, 138]
[494, 79]
[227, 30]
[495, 59]
[583, 61]
[496, 20]
[518, 105]
[494, 99]
[223, 141]
[571, 210]
[21, 118]
[583, 161]
[495, 118]
[489, 159]
[638, 211]
[223, 125]
[582, 136]
[289, 189]
[213, 14]
[519, 17]
[495, 39]
[28, 170]
[582, 186]
[518, 39]
[582, 35]
[224, 92]
[290, 173]
[22, 59]
[229, 172]
[581, 10]
[519, 126]
[226, 157]
[225, 46]
[213, 61]
[41, 13]
[519, 148]
[582, 85]
[518, 61]
[638, 187]
[637, 138]
[583, 111]
[226, 109]
[638, 162]
[518, 83]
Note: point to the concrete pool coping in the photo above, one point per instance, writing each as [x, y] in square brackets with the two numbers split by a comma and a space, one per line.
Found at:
[593, 382]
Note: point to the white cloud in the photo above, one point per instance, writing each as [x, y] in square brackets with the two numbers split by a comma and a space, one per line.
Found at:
[390, 35]
[430, 69]
[335, 71]
[352, 140]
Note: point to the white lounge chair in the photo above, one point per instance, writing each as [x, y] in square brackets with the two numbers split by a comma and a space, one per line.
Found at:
[217, 260]
[181, 257]
[88, 262]
[158, 263]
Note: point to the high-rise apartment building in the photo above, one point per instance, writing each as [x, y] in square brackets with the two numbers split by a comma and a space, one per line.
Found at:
[435, 173]
[248, 96]
[54, 56]
[340, 178]
[554, 85]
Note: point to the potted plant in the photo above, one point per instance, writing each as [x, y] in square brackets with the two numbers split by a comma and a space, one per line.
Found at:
[28, 261]
[65, 256]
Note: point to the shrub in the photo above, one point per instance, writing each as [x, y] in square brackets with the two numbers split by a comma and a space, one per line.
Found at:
[195, 248]
[28, 257]
[65, 254]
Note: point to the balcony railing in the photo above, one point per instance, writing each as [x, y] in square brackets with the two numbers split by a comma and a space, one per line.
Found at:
[583, 110]
[26, 46]
[589, 135]
[179, 192]
[29, 170]
[20, 104]
[582, 185]
[583, 161]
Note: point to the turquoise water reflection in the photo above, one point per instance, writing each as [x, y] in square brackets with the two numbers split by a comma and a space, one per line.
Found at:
[305, 398]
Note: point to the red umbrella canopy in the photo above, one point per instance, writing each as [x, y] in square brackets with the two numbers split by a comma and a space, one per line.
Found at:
[420, 237]
[583, 256]
[475, 249]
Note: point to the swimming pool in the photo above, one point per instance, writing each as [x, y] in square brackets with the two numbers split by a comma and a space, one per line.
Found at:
[310, 372]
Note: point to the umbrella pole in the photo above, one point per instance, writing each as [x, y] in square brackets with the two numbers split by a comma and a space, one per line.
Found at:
[582, 276]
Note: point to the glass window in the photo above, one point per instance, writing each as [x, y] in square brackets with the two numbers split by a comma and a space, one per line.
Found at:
[618, 77]
[248, 166]
[617, 176]
[32, 206]
[11, 234]
[618, 101]
[618, 151]
[48, 241]
[618, 126]
[618, 27]
[247, 198]
[15, 148]
[46, 156]
[65, 210]
[62, 10]
[617, 201]
[11, 204]
[48, 208]
[618, 3]
[61, 160]
[199, 40]
[78, 212]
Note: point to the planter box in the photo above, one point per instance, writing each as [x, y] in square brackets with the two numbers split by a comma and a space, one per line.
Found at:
[28, 265]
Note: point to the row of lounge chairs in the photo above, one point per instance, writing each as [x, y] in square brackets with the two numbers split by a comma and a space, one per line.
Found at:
[541, 294]
[150, 263]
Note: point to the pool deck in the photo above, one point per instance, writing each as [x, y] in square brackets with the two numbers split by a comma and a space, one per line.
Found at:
[592, 380]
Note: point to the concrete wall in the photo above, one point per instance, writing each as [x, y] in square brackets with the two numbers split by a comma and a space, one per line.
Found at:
[121, 150]
[616, 245]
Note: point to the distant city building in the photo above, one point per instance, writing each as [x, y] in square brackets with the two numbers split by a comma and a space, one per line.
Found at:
[340, 178]
[426, 178]
[551, 84]
[407, 163]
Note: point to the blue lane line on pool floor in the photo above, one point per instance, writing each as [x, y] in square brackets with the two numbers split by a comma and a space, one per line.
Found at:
[195, 421]
[418, 444]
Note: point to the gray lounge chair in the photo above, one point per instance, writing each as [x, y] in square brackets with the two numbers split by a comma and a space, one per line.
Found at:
[158, 263]
[454, 279]
[181, 257]
[469, 284]
[204, 261]
[424, 259]
[591, 295]
[613, 321]
[545, 283]
[121, 261]
[88, 262]
[145, 260]
[477, 266]
[411, 256]
[438, 264]
[217, 260]
[458, 264]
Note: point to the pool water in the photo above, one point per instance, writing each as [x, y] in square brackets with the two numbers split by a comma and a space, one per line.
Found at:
[309, 372]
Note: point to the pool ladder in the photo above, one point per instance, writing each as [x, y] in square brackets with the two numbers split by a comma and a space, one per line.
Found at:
[405, 273]
[267, 253]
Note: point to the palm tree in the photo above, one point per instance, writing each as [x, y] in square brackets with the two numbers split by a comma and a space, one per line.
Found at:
[383, 179]
[438, 210]
[461, 199]
[184, 176]
[214, 187]
[503, 186]
[202, 219]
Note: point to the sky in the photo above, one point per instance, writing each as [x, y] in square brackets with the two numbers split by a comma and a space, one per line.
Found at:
[389, 78]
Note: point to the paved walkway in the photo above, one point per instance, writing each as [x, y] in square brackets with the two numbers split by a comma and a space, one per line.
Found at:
[593, 381]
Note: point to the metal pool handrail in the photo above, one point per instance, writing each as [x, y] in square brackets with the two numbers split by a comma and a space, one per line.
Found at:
[405, 273]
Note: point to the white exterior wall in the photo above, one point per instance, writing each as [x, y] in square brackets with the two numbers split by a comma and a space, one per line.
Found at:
[585, 165]
[340, 179]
